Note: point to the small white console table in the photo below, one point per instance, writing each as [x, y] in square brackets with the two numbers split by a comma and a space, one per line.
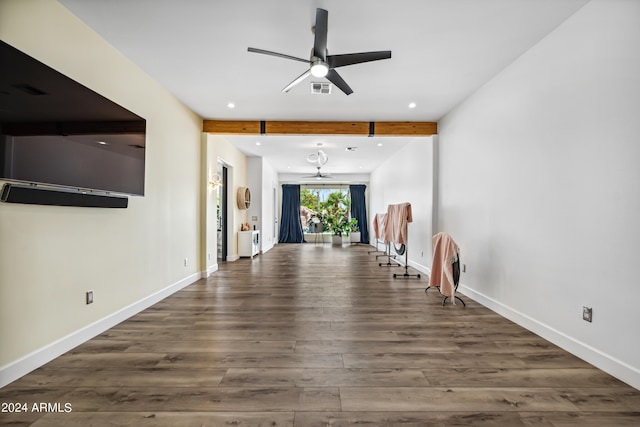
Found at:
[248, 243]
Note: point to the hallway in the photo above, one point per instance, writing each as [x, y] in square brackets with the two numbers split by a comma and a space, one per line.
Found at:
[315, 335]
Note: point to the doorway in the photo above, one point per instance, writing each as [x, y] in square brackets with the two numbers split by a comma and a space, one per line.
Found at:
[221, 212]
[274, 202]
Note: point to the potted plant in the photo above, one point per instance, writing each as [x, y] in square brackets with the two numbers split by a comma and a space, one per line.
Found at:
[336, 218]
[316, 223]
[338, 223]
[355, 234]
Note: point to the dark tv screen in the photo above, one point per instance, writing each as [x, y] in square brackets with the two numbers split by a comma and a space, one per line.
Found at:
[55, 131]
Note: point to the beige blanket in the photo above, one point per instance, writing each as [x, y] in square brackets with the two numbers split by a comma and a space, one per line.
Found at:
[379, 223]
[397, 218]
[445, 253]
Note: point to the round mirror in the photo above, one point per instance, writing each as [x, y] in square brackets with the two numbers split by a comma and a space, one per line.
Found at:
[244, 198]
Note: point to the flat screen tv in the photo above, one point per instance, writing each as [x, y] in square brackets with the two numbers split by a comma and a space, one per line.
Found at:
[56, 132]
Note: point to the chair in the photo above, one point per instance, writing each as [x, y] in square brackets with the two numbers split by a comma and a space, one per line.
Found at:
[318, 229]
[445, 269]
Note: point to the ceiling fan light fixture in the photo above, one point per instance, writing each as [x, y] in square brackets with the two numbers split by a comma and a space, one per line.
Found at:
[320, 58]
[319, 69]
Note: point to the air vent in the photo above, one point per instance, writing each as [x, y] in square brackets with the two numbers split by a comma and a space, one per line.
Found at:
[321, 88]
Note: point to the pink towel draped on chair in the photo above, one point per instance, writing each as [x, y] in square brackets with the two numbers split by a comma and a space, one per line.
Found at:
[445, 253]
[397, 218]
[379, 224]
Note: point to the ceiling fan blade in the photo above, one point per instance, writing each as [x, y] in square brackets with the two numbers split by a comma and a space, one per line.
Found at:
[318, 175]
[280, 55]
[297, 80]
[320, 40]
[335, 78]
[357, 58]
[323, 176]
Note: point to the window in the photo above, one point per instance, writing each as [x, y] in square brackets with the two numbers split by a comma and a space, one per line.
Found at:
[318, 202]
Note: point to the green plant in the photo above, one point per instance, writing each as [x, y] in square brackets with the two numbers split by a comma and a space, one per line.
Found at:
[338, 222]
[336, 200]
[353, 225]
[335, 213]
[317, 222]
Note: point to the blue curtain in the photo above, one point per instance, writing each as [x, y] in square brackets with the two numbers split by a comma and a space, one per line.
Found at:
[359, 210]
[290, 225]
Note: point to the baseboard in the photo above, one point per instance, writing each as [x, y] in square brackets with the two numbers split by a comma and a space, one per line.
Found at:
[36, 359]
[421, 268]
[209, 271]
[617, 368]
[232, 258]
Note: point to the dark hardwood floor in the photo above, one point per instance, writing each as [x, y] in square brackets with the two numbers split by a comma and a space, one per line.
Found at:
[315, 335]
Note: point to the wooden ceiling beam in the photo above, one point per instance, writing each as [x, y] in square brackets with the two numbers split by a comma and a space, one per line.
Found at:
[237, 127]
[231, 127]
[317, 128]
[406, 128]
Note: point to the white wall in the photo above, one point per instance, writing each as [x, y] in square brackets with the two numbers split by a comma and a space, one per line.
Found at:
[407, 176]
[209, 221]
[263, 180]
[219, 149]
[269, 206]
[539, 182]
[254, 182]
[49, 256]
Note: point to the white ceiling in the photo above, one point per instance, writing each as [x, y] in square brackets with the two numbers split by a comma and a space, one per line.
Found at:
[442, 51]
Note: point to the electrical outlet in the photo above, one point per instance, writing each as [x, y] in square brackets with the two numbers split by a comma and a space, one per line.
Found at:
[464, 268]
[186, 262]
[89, 297]
[587, 313]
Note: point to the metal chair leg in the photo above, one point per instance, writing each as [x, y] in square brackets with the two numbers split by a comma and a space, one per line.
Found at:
[456, 297]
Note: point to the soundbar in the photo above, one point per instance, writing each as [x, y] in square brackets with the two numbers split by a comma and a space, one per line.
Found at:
[33, 195]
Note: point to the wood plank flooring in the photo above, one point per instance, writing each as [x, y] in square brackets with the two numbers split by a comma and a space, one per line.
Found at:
[315, 335]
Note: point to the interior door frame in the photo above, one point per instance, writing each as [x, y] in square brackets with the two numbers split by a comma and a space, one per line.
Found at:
[224, 211]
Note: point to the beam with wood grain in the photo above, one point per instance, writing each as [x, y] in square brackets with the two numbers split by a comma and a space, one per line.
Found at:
[256, 127]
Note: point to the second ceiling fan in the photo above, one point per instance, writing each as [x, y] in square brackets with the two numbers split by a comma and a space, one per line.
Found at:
[323, 65]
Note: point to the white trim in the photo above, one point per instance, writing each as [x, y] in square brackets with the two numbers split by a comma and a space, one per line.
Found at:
[37, 358]
[421, 268]
[209, 271]
[619, 369]
[232, 258]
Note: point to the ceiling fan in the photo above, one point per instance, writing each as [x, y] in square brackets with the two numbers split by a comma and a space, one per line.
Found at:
[323, 65]
[318, 175]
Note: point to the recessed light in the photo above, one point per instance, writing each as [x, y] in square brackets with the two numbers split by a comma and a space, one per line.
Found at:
[258, 143]
[102, 143]
[412, 105]
[231, 105]
[379, 144]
